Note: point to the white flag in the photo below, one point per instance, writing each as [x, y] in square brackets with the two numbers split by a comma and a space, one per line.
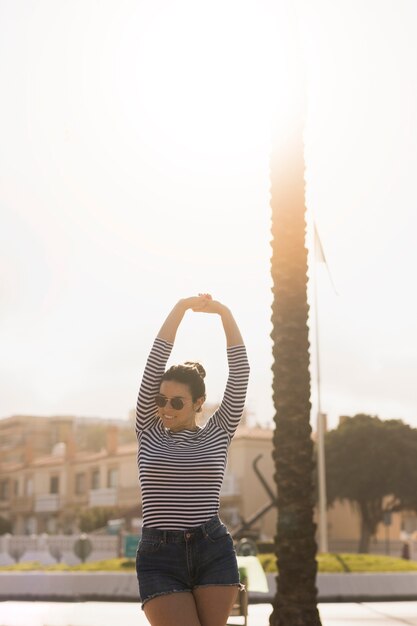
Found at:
[318, 248]
[319, 255]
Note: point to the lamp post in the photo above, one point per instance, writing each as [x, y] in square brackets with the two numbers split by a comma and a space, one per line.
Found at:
[321, 465]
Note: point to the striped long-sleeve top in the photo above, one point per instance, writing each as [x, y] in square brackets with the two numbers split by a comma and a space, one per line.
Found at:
[181, 473]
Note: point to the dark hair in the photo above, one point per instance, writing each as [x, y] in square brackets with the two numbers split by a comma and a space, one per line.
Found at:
[191, 374]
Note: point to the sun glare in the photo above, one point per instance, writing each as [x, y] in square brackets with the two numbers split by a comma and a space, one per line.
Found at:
[205, 80]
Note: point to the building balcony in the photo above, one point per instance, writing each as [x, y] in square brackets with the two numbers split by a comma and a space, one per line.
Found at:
[48, 503]
[230, 486]
[103, 497]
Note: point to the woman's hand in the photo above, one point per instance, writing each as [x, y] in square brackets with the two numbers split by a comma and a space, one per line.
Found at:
[195, 303]
[209, 305]
[203, 303]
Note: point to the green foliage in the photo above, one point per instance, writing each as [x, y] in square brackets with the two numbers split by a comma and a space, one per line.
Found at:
[374, 563]
[373, 464]
[332, 563]
[108, 565]
[328, 563]
[96, 517]
[25, 566]
[268, 562]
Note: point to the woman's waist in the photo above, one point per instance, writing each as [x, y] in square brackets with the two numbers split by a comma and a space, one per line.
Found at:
[150, 533]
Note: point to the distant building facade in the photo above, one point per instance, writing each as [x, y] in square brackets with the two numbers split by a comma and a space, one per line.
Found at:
[48, 479]
[49, 474]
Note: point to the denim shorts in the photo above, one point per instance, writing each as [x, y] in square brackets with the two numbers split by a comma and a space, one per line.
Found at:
[172, 561]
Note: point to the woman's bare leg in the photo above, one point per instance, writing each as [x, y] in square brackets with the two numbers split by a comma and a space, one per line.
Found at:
[173, 609]
[214, 604]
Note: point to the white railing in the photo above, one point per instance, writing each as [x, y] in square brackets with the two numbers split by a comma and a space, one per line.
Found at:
[48, 549]
[103, 497]
[48, 503]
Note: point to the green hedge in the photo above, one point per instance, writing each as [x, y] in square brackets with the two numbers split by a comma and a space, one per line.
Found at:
[326, 563]
[109, 565]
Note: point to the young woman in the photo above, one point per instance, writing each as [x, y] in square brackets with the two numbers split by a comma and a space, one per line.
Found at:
[186, 563]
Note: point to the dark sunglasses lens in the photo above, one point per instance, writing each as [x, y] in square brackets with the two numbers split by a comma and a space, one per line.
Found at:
[177, 404]
[160, 400]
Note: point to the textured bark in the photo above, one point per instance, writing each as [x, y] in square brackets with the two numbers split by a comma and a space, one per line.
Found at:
[365, 539]
[371, 514]
[296, 600]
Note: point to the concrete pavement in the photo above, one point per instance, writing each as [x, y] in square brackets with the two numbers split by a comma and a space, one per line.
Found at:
[130, 614]
[123, 586]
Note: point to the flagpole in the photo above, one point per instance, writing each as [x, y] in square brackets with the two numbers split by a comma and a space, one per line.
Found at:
[321, 466]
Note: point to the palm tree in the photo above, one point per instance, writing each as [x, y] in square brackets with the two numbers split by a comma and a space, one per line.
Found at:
[295, 603]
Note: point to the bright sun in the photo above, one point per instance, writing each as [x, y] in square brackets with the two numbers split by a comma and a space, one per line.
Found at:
[204, 78]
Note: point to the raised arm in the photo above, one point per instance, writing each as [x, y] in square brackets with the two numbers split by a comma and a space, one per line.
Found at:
[169, 328]
[230, 411]
[231, 330]
[155, 365]
[154, 369]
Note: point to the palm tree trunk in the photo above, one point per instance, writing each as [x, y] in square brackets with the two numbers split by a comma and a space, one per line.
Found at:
[296, 600]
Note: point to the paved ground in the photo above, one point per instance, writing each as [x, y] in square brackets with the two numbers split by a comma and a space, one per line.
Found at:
[129, 614]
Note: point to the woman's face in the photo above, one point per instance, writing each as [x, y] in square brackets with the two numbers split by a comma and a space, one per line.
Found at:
[178, 419]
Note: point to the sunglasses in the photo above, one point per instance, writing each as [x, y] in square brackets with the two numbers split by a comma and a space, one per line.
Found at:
[176, 402]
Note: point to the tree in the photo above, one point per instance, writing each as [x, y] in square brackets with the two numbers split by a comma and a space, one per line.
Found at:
[295, 603]
[96, 517]
[373, 464]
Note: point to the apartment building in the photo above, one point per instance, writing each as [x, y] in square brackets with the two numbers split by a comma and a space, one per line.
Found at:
[42, 432]
[45, 492]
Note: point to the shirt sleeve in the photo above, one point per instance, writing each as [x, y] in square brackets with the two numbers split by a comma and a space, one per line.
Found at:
[230, 411]
[146, 410]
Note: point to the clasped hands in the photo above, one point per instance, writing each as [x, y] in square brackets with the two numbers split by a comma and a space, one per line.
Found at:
[203, 303]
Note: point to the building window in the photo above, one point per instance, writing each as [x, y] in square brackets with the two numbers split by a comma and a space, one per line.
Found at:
[16, 488]
[54, 484]
[29, 486]
[4, 489]
[409, 523]
[79, 484]
[95, 479]
[112, 474]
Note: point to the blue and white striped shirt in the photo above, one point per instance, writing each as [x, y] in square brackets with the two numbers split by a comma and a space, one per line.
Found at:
[181, 473]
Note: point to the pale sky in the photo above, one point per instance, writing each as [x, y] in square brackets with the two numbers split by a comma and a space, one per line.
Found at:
[134, 160]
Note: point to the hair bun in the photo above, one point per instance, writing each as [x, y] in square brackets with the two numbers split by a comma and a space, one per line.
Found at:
[196, 366]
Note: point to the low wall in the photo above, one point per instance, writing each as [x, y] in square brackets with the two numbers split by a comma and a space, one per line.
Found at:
[69, 586]
[73, 586]
[355, 587]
